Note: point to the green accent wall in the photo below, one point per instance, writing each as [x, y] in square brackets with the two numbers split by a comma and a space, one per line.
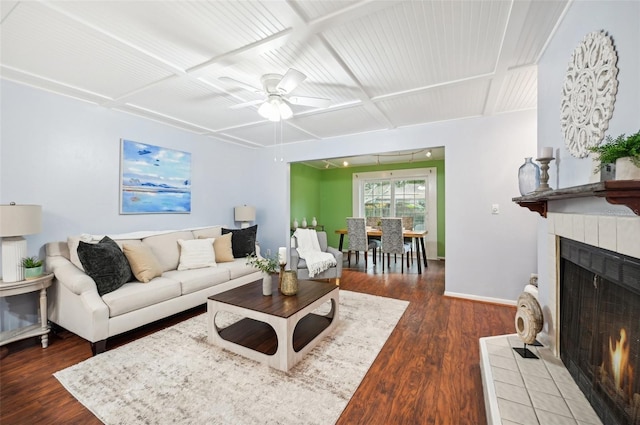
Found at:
[328, 195]
[306, 183]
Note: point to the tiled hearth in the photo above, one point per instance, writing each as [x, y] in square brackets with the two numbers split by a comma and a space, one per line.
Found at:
[529, 391]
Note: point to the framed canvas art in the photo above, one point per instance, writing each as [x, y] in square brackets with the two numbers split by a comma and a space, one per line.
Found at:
[154, 180]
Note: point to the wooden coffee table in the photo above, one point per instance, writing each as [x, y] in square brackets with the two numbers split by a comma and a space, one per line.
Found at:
[278, 330]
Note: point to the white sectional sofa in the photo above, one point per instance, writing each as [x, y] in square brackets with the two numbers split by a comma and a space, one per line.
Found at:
[76, 305]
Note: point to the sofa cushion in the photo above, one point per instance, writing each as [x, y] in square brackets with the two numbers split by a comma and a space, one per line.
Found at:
[165, 248]
[197, 279]
[144, 264]
[135, 295]
[105, 263]
[196, 254]
[207, 232]
[238, 268]
[243, 241]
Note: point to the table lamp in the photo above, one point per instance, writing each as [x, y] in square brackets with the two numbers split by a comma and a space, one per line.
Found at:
[15, 222]
[245, 215]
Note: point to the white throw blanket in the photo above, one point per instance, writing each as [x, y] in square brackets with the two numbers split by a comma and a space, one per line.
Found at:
[309, 250]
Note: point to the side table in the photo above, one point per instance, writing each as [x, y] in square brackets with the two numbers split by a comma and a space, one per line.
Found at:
[22, 287]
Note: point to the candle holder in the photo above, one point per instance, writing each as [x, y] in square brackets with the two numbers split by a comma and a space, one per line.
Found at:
[282, 265]
[544, 174]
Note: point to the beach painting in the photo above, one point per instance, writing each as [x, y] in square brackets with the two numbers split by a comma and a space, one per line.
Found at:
[154, 180]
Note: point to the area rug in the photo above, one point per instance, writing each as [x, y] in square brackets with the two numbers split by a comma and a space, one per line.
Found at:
[175, 377]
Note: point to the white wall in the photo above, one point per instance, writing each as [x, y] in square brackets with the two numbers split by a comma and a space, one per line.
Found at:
[620, 20]
[488, 256]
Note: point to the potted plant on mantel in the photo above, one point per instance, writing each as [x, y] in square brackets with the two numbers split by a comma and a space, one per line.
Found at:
[624, 152]
[32, 267]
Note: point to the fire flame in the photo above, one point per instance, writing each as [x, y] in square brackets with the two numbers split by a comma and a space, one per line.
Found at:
[619, 360]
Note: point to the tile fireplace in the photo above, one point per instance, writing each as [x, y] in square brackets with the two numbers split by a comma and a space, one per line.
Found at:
[600, 328]
[591, 333]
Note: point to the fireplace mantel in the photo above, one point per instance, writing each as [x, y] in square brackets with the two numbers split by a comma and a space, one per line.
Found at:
[622, 192]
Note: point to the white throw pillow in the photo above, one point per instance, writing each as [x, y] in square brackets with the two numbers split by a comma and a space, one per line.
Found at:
[196, 253]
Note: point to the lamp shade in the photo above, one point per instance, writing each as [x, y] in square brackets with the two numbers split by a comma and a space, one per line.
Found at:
[19, 220]
[245, 213]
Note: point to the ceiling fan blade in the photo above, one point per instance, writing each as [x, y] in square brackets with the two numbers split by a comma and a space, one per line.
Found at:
[290, 81]
[317, 102]
[246, 104]
[240, 84]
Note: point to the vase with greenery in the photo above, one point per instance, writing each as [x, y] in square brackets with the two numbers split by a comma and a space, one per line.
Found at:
[624, 152]
[32, 267]
[268, 266]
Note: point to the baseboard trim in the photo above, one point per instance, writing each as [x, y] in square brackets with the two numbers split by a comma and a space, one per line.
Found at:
[480, 298]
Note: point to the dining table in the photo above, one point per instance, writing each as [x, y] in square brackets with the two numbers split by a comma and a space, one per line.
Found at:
[416, 236]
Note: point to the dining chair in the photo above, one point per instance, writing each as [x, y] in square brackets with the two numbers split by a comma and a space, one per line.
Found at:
[373, 221]
[407, 224]
[393, 241]
[358, 241]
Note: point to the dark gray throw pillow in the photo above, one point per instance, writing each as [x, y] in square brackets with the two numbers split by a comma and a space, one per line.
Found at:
[105, 263]
[243, 241]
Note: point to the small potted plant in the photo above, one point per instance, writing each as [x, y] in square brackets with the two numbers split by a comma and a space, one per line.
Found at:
[32, 267]
[268, 266]
[624, 152]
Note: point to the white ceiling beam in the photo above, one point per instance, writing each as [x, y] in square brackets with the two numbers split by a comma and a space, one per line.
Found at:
[417, 90]
[515, 23]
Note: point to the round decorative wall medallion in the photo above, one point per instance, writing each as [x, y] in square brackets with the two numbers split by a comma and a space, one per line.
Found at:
[588, 93]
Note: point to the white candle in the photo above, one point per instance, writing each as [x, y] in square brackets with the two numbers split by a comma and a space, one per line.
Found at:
[282, 255]
[546, 152]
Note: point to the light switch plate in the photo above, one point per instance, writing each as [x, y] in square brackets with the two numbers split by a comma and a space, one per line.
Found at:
[495, 209]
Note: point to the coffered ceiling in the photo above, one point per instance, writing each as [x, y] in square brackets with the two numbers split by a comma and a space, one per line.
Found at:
[383, 64]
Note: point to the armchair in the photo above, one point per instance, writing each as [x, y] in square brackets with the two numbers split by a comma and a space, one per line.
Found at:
[300, 266]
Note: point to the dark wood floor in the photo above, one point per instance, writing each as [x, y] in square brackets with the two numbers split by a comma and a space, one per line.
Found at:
[427, 372]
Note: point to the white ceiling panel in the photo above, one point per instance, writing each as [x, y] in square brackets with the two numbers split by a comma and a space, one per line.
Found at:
[382, 64]
[269, 133]
[154, 116]
[519, 91]
[417, 44]
[437, 104]
[333, 123]
[542, 17]
[39, 41]
[183, 33]
[197, 103]
[317, 9]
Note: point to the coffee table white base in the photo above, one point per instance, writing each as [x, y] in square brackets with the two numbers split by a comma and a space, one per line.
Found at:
[285, 356]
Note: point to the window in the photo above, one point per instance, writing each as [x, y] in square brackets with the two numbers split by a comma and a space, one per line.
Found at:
[399, 197]
[407, 193]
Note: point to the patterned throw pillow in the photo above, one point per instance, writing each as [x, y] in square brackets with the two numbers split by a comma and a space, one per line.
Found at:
[105, 263]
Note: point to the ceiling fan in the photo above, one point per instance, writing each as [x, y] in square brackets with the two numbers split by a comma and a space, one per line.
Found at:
[277, 88]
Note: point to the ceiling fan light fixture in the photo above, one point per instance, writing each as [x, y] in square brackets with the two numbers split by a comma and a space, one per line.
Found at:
[275, 109]
[269, 111]
[285, 111]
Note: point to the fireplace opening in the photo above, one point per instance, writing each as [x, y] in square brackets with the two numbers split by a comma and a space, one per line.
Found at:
[600, 328]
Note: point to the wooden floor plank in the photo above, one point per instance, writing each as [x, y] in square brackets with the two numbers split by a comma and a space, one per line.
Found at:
[426, 373]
